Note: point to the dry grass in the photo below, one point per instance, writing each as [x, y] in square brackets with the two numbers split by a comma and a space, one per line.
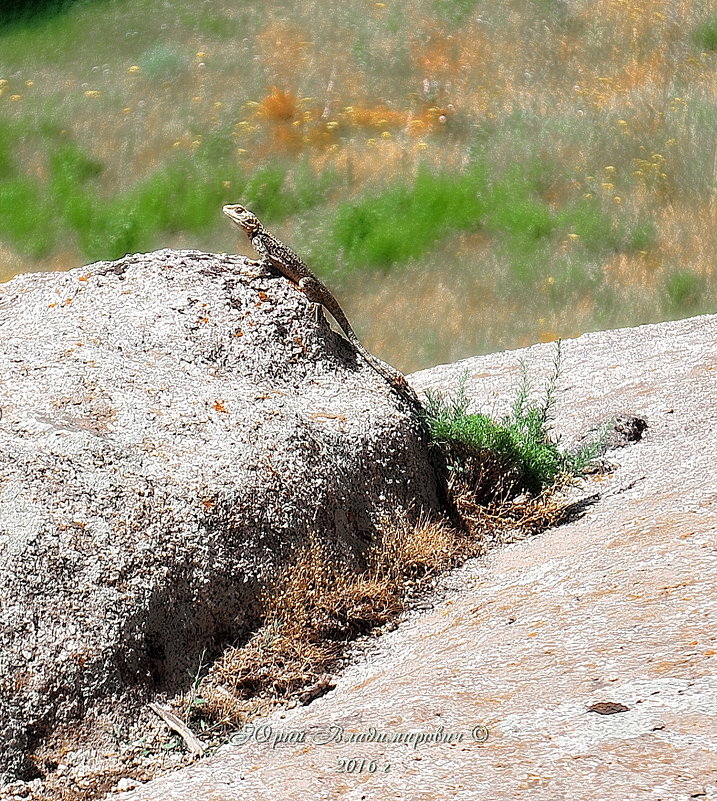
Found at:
[319, 606]
[311, 616]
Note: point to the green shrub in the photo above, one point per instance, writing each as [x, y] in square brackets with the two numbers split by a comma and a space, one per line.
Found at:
[306, 189]
[522, 217]
[213, 22]
[404, 221]
[455, 12]
[178, 197]
[683, 290]
[595, 229]
[527, 454]
[705, 34]
[641, 237]
[23, 222]
[184, 194]
[19, 10]
[7, 166]
[274, 192]
[514, 205]
[109, 234]
[70, 170]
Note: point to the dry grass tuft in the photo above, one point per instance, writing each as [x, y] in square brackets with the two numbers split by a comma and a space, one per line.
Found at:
[319, 605]
[413, 553]
[316, 607]
[506, 520]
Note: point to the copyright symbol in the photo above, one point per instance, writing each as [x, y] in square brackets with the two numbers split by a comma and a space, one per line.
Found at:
[479, 733]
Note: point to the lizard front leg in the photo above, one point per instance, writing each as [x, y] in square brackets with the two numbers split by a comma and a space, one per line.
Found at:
[304, 285]
[309, 287]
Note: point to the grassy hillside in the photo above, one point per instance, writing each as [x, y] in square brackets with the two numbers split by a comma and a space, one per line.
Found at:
[469, 175]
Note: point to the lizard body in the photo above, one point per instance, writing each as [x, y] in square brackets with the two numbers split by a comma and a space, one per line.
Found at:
[292, 266]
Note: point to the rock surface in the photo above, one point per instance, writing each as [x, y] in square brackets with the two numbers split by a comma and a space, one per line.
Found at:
[173, 425]
[543, 642]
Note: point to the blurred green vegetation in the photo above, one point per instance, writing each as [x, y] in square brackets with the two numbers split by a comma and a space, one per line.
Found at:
[381, 229]
[18, 11]
[705, 34]
[541, 167]
[184, 195]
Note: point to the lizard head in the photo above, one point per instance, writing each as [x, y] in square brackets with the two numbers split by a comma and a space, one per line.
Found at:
[243, 218]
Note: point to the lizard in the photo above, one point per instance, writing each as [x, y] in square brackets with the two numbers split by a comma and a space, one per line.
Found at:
[293, 267]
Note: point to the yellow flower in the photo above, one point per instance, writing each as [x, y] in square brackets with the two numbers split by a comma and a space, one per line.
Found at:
[423, 146]
[201, 54]
[126, 110]
[574, 237]
[92, 93]
[133, 69]
[332, 126]
[609, 168]
[29, 83]
[218, 104]
[617, 199]
[15, 98]
[386, 135]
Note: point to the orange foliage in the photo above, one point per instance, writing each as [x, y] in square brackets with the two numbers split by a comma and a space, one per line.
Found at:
[380, 117]
[278, 106]
[286, 138]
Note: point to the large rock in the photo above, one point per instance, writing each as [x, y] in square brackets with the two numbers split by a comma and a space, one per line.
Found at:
[588, 652]
[173, 426]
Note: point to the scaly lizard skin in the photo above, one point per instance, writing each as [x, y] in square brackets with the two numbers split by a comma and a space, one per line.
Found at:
[269, 248]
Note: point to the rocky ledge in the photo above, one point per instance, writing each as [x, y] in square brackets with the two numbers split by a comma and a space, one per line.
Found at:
[173, 426]
[580, 664]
